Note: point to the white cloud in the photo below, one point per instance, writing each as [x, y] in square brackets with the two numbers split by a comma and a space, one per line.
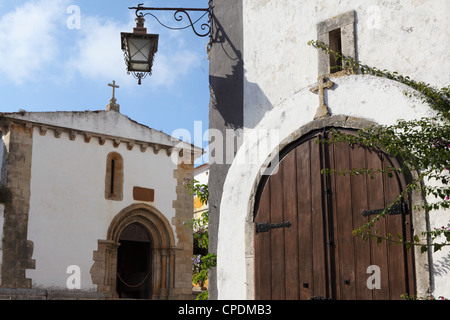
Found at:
[99, 55]
[28, 38]
[171, 64]
[36, 44]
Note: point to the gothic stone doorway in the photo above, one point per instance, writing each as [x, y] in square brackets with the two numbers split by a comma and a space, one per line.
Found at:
[151, 227]
[134, 255]
[317, 256]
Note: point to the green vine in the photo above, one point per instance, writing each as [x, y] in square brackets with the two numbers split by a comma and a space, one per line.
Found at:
[422, 145]
[437, 98]
[203, 262]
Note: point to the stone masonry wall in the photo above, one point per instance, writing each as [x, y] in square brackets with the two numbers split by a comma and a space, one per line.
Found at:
[17, 250]
[184, 207]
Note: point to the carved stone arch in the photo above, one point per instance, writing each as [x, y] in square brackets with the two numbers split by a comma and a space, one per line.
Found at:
[150, 218]
[104, 269]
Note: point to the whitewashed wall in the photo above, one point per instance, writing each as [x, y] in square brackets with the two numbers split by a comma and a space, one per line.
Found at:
[405, 36]
[409, 36]
[68, 209]
[201, 174]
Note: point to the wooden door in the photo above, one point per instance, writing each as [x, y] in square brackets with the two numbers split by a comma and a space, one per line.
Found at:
[317, 256]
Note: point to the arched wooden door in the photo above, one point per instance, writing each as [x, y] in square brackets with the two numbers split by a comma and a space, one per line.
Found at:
[134, 272]
[311, 253]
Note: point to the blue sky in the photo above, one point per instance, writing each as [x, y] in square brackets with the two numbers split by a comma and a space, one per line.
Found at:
[49, 63]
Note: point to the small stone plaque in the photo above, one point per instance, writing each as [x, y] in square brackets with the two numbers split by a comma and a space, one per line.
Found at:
[143, 194]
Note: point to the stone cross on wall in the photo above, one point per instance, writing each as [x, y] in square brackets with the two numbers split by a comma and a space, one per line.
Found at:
[322, 110]
[112, 103]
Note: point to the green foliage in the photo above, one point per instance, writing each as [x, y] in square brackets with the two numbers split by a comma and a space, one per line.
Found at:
[197, 189]
[412, 297]
[421, 145]
[438, 99]
[202, 263]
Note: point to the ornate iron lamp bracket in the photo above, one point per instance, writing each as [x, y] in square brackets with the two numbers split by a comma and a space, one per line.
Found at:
[178, 16]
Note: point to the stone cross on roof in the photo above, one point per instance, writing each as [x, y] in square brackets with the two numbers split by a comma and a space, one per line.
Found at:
[114, 86]
[112, 103]
[322, 110]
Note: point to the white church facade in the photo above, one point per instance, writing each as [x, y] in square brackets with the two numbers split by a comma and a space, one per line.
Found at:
[270, 88]
[95, 208]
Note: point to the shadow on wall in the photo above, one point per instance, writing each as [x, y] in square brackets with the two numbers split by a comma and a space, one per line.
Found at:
[259, 104]
[226, 110]
[227, 93]
[442, 266]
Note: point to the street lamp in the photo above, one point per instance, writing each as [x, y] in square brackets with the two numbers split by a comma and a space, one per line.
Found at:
[139, 47]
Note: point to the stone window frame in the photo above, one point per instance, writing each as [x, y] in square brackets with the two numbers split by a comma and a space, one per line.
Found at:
[114, 176]
[346, 23]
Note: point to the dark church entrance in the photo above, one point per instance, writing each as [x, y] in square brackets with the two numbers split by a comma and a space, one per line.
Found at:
[309, 252]
[134, 263]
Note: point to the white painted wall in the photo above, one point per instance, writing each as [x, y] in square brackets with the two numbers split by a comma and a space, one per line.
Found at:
[408, 36]
[201, 174]
[68, 209]
[405, 36]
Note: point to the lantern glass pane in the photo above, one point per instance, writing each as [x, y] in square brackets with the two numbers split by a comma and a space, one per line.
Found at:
[139, 49]
[144, 67]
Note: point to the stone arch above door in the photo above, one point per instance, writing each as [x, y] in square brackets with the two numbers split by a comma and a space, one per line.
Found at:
[149, 217]
[104, 269]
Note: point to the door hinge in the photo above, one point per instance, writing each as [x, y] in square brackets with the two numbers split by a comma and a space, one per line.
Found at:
[319, 298]
[400, 208]
[265, 226]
